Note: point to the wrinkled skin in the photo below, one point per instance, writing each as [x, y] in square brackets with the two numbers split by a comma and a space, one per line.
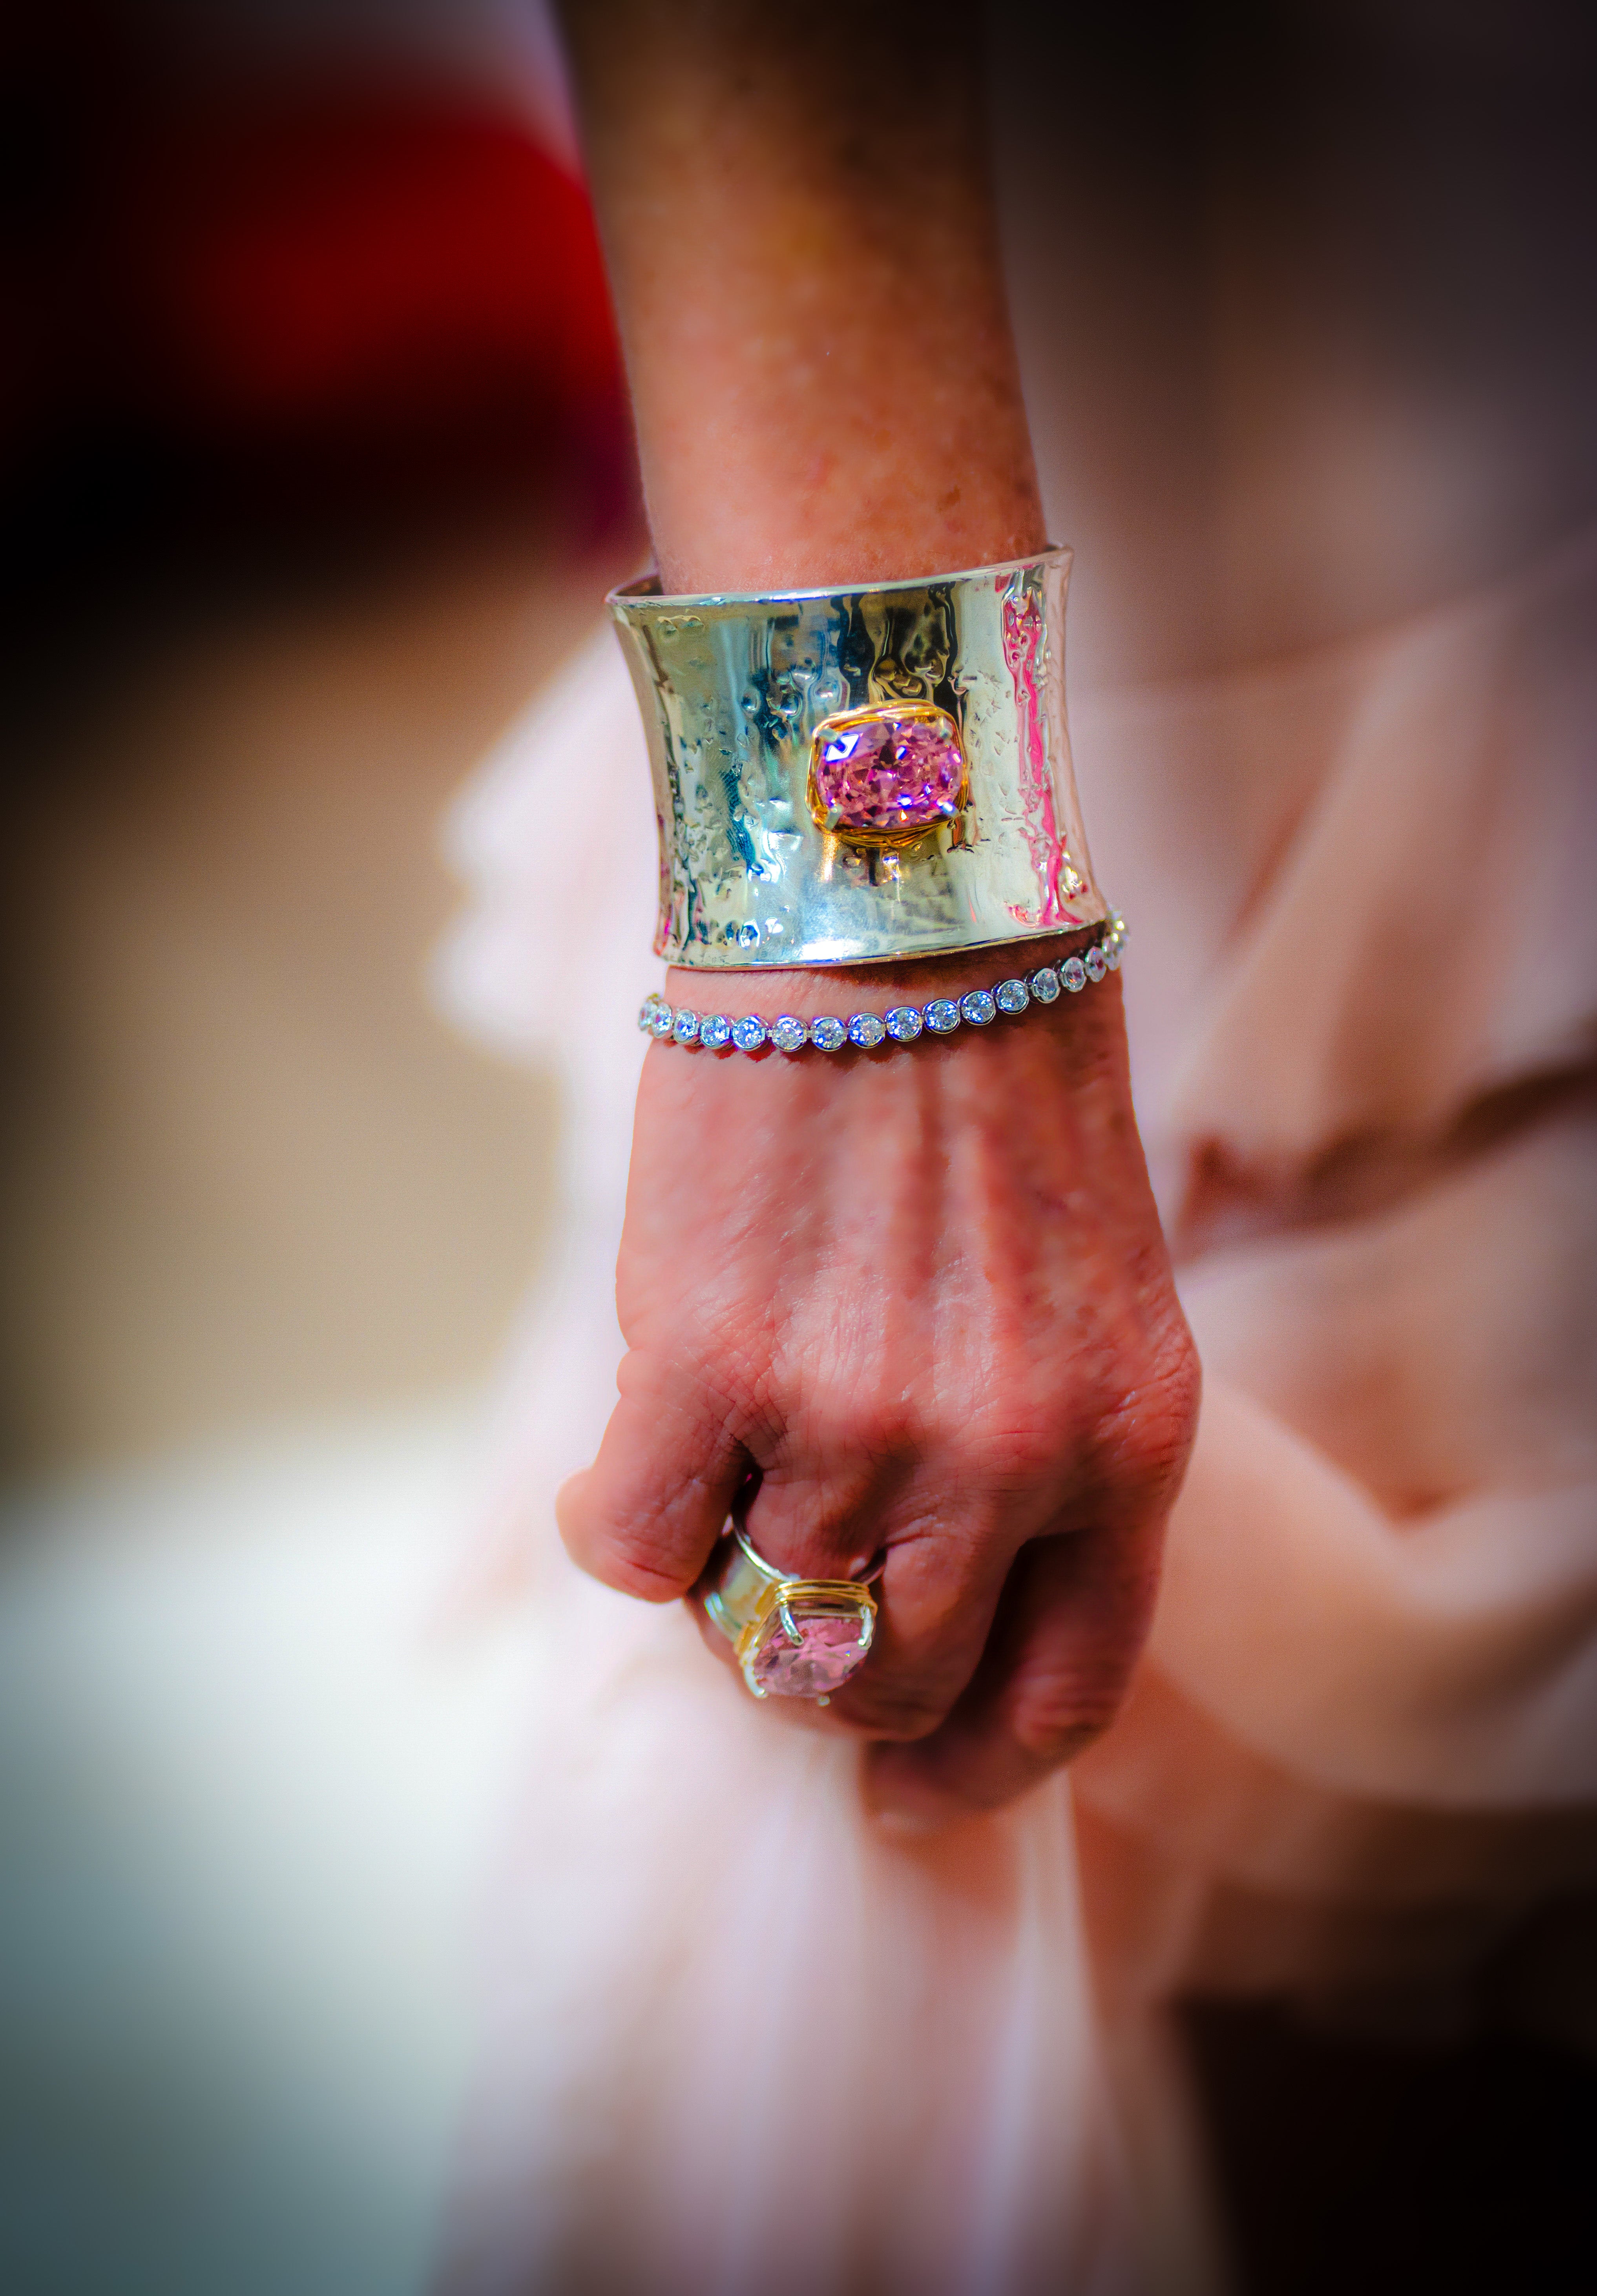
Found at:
[922, 1293]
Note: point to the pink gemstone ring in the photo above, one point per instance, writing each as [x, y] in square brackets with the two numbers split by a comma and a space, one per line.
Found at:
[793, 1638]
[887, 774]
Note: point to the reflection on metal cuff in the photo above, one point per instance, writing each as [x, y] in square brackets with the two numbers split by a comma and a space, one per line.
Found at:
[843, 777]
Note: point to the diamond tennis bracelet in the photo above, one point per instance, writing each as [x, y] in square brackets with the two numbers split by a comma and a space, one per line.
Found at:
[746, 1032]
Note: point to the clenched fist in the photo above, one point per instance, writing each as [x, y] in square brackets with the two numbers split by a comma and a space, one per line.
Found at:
[921, 1295]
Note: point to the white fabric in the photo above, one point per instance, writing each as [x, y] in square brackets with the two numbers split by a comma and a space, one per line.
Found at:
[1362, 1000]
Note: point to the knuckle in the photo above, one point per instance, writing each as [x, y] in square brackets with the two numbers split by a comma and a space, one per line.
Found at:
[1126, 1421]
[874, 1447]
[850, 1440]
[1030, 1442]
[859, 1408]
[1058, 1714]
[1149, 1427]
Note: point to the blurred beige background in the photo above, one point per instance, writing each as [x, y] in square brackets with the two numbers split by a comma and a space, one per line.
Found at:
[266, 1220]
[250, 1175]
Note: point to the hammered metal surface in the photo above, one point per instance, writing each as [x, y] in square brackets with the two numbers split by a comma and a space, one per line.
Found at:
[732, 689]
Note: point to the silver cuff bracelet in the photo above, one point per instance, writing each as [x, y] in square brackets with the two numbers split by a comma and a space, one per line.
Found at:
[845, 776]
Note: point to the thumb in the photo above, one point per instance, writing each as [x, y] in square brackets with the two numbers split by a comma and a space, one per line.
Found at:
[645, 1516]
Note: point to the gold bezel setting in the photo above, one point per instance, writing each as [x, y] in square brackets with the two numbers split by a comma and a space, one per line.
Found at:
[884, 713]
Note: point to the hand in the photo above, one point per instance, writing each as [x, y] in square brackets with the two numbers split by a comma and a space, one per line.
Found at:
[924, 1294]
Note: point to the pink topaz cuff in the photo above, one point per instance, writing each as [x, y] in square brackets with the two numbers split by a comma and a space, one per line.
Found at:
[793, 1638]
[846, 776]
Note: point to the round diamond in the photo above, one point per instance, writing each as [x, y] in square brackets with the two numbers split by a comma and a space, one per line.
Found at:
[866, 1029]
[687, 1030]
[662, 1020]
[1045, 984]
[645, 1010]
[1011, 996]
[788, 1034]
[715, 1030]
[827, 1033]
[1073, 974]
[904, 1023]
[978, 1008]
[748, 1032]
[1094, 963]
[942, 1014]
[1112, 954]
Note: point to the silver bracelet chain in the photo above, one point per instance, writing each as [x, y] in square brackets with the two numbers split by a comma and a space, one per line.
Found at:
[748, 1032]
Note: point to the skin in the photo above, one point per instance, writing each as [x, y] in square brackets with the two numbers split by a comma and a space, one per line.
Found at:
[922, 1298]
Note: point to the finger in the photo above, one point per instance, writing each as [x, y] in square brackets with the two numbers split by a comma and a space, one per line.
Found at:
[1072, 1620]
[826, 1518]
[927, 1641]
[644, 1517]
[947, 1555]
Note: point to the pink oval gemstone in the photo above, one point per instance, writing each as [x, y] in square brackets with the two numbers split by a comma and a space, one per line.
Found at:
[889, 775]
[821, 1660]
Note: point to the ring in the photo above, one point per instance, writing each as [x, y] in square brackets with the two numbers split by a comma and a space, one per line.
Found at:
[793, 1637]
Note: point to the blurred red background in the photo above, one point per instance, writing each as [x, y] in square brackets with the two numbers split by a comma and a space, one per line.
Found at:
[289, 284]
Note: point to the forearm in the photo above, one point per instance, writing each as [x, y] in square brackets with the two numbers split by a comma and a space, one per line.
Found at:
[809, 293]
